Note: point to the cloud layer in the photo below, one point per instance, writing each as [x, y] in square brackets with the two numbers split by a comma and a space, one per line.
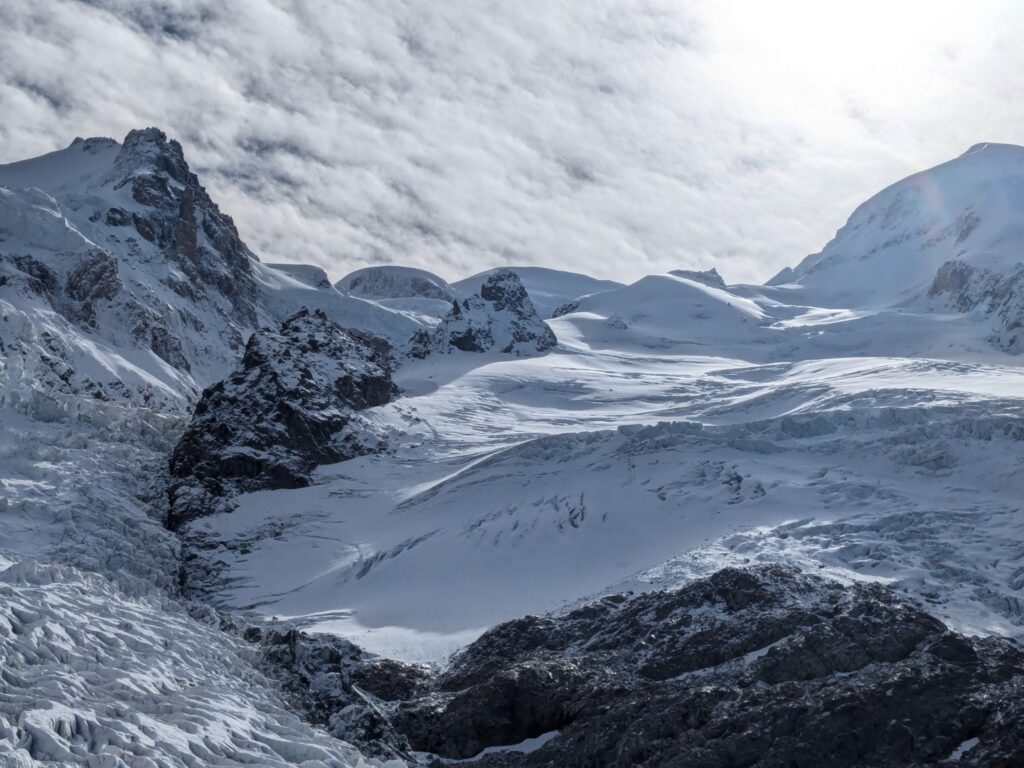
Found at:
[614, 138]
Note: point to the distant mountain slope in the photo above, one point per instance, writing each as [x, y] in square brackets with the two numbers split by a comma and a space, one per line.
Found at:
[548, 288]
[663, 312]
[393, 282]
[970, 209]
[405, 289]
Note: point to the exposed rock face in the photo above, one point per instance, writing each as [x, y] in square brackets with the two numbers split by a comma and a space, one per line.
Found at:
[178, 216]
[709, 277]
[126, 245]
[336, 685]
[500, 318]
[758, 667]
[1000, 295]
[92, 281]
[566, 309]
[289, 407]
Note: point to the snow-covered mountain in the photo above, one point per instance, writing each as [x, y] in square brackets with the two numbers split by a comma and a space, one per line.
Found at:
[548, 288]
[402, 288]
[128, 281]
[220, 476]
[949, 237]
[665, 312]
[392, 282]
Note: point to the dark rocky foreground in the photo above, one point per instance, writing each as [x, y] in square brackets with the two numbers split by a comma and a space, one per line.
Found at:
[285, 410]
[757, 667]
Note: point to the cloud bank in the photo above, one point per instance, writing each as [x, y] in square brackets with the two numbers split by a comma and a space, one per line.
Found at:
[613, 138]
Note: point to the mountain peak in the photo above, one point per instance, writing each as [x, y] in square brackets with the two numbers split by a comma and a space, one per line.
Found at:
[151, 135]
[992, 147]
[93, 143]
[708, 277]
[499, 318]
[149, 149]
[890, 249]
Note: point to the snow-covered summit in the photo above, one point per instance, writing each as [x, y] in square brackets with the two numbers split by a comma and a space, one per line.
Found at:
[662, 312]
[120, 251]
[78, 166]
[394, 282]
[969, 209]
[417, 292]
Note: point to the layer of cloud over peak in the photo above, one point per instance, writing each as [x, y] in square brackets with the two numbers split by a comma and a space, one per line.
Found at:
[615, 138]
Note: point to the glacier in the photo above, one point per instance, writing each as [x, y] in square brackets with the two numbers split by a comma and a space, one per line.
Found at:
[858, 420]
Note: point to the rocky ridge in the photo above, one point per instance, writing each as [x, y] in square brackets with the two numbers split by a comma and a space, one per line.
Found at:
[762, 666]
[126, 246]
[291, 405]
[999, 296]
[709, 277]
[499, 318]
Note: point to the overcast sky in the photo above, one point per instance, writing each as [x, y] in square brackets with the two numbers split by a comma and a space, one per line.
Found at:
[613, 137]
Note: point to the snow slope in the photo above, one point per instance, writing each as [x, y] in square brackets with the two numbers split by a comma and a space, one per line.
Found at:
[970, 209]
[665, 312]
[517, 486]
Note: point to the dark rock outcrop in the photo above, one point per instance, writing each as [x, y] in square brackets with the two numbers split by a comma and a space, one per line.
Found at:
[290, 406]
[182, 220]
[760, 667]
[566, 309]
[500, 318]
[93, 280]
[1000, 295]
[337, 685]
[708, 277]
